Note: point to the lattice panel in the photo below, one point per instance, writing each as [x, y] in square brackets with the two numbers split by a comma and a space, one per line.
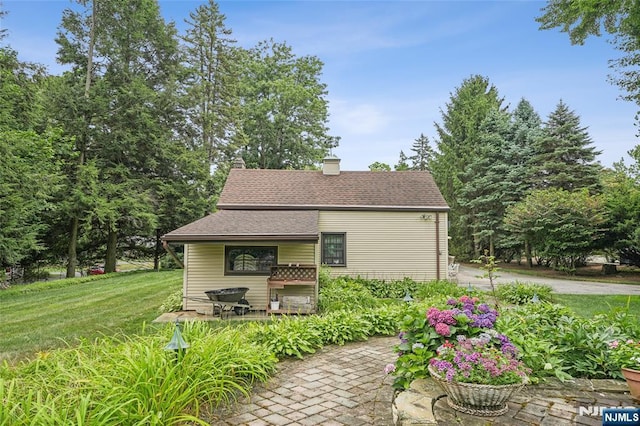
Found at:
[293, 272]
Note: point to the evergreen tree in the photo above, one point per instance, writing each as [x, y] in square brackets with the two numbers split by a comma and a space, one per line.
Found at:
[423, 153]
[564, 157]
[526, 130]
[130, 111]
[211, 97]
[488, 192]
[402, 162]
[457, 147]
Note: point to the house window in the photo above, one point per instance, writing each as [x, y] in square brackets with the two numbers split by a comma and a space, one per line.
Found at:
[334, 249]
[249, 260]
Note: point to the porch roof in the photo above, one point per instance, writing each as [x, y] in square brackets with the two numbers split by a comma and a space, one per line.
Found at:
[250, 225]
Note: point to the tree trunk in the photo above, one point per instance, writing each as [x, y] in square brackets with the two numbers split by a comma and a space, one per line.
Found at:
[491, 246]
[71, 251]
[157, 252]
[112, 243]
[75, 222]
[527, 253]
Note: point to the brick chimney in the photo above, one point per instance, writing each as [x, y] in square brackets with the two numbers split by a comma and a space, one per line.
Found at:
[331, 166]
[238, 163]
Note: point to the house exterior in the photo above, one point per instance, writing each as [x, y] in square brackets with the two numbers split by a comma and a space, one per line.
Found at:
[384, 225]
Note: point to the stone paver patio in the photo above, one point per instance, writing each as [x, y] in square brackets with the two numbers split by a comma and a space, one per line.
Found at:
[346, 385]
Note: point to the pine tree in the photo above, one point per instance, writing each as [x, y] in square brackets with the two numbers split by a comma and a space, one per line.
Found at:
[423, 153]
[563, 157]
[457, 147]
[402, 162]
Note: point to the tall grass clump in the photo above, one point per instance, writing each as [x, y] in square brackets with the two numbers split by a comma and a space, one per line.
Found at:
[520, 293]
[133, 380]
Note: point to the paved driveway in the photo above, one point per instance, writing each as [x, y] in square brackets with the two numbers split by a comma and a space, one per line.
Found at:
[468, 275]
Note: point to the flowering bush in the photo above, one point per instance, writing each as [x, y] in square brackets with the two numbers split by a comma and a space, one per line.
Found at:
[625, 353]
[423, 333]
[489, 358]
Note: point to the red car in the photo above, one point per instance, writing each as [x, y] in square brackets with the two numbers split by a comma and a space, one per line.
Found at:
[96, 270]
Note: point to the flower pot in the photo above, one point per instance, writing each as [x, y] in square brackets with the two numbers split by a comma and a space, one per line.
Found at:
[477, 399]
[275, 305]
[633, 381]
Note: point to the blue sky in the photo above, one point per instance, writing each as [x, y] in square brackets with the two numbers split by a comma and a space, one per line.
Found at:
[390, 67]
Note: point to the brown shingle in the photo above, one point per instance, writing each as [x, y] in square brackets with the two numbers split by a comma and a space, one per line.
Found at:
[234, 225]
[281, 189]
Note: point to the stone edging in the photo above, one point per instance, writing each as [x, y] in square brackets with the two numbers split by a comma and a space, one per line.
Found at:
[414, 406]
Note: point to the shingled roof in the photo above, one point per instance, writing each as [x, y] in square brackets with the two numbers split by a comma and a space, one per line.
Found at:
[254, 225]
[348, 190]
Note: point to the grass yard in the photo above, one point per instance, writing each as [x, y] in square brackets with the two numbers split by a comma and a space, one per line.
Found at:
[40, 316]
[589, 305]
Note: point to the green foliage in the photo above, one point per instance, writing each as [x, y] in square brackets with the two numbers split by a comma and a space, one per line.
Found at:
[287, 337]
[395, 289]
[134, 378]
[340, 327]
[284, 109]
[554, 341]
[622, 201]
[29, 177]
[457, 147]
[562, 226]
[439, 289]
[173, 303]
[520, 293]
[344, 293]
[616, 17]
[564, 157]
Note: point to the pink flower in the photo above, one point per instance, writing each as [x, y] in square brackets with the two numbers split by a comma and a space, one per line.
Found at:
[389, 368]
[443, 329]
[614, 344]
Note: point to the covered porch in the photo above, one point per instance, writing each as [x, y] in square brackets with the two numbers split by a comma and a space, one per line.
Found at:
[272, 253]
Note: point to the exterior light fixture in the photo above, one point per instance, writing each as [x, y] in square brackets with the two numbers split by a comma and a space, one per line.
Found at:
[177, 343]
[535, 298]
[469, 288]
[407, 298]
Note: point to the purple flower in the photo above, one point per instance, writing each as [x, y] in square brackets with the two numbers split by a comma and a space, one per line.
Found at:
[389, 368]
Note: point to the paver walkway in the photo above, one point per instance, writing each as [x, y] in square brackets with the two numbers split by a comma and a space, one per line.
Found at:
[339, 385]
[345, 385]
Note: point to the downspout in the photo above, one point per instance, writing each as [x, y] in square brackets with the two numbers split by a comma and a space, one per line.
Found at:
[173, 254]
[437, 245]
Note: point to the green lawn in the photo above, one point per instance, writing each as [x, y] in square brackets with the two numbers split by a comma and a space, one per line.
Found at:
[40, 316]
[590, 305]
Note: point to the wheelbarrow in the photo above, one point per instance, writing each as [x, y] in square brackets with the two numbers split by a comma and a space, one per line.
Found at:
[227, 299]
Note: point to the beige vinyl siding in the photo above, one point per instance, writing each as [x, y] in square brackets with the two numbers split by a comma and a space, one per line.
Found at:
[389, 245]
[204, 270]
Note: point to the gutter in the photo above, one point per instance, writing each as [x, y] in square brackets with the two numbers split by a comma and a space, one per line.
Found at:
[438, 245]
[173, 254]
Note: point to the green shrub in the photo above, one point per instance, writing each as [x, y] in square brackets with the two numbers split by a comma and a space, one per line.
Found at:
[554, 341]
[395, 289]
[440, 289]
[340, 327]
[344, 293]
[520, 293]
[287, 336]
[173, 303]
